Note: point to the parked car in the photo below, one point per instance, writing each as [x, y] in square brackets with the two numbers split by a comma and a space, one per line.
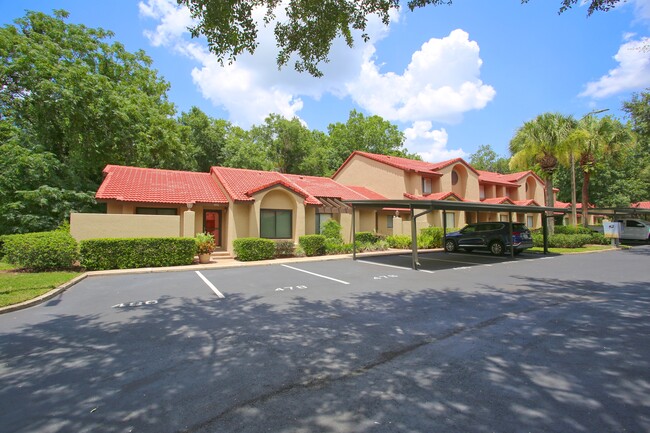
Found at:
[632, 229]
[493, 236]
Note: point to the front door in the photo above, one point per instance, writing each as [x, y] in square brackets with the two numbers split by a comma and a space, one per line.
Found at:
[212, 224]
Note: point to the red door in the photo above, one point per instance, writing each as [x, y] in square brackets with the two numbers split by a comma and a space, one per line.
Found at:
[212, 224]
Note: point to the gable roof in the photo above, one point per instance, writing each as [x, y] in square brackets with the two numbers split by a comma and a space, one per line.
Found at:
[434, 196]
[497, 200]
[241, 184]
[152, 185]
[367, 193]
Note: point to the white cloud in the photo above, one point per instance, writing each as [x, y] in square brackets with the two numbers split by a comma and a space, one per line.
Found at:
[430, 144]
[632, 72]
[441, 83]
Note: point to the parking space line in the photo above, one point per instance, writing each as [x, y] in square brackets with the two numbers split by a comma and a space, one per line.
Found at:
[451, 261]
[393, 266]
[210, 285]
[315, 274]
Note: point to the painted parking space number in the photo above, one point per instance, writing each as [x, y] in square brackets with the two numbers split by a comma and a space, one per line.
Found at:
[384, 277]
[290, 288]
[135, 304]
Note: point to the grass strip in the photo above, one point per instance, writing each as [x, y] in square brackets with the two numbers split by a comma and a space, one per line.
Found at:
[570, 250]
[16, 287]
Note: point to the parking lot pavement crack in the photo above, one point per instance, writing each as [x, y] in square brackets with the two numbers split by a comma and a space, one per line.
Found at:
[321, 381]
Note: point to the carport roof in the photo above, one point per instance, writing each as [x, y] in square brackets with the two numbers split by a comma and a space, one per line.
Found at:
[450, 205]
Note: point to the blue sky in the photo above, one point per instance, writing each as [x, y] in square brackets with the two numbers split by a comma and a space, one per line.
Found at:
[451, 77]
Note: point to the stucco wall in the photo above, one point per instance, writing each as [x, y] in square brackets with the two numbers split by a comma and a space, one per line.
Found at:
[381, 178]
[93, 226]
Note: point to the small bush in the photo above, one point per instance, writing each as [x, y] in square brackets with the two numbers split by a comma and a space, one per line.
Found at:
[402, 242]
[572, 230]
[334, 247]
[205, 243]
[284, 248]
[332, 230]
[251, 249]
[369, 247]
[430, 237]
[562, 240]
[313, 245]
[41, 251]
[599, 239]
[366, 237]
[130, 253]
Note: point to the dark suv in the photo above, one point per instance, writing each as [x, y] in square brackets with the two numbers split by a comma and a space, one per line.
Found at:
[490, 235]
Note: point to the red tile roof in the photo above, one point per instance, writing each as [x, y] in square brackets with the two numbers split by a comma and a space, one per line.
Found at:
[369, 194]
[325, 187]
[434, 196]
[242, 184]
[150, 185]
[530, 202]
[642, 205]
[497, 200]
[497, 178]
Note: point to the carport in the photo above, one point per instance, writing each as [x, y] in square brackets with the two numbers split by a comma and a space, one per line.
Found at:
[428, 206]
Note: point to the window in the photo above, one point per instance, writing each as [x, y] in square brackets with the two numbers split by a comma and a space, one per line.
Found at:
[451, 219]
[426, 186]
[275, 224]
[321, 219]
[389, 221]
[529, 221]
[482, 192]
[503, 218]
[155, 211]
[454, 177]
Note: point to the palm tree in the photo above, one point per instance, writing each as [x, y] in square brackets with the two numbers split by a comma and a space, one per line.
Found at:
[540, 143]
[594, 139]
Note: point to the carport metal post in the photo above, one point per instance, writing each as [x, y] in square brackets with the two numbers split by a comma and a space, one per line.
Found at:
[444, 229]
[512, 247]
[545, 231]
[354, 235]
[414, 240]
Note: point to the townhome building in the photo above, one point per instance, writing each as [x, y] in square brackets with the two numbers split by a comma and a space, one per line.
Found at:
[234, 203]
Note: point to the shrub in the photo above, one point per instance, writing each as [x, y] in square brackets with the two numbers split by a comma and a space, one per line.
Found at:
[562, 240]
[332, 230]
[284, 248]
[376, 246]
[399, 241]
[251, 249]
[130, 253]
[599, 239]
[41, 251]
[366, 237]
[334, 247]
[313, 245]
[430, 237]
[573, 230]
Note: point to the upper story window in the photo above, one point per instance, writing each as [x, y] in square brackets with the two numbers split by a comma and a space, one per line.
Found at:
[454, 177]
[427, 187]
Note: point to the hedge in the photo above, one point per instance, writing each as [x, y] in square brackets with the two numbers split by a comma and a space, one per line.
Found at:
[284, 248]
[251, 249]
[335, 247]
[366, 237]
[573, 230]
[562, 240]
[41, 251]
[402, 242]
[130, 253]
[313, 245]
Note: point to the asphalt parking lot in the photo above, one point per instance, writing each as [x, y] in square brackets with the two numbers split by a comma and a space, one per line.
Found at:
[470, 343]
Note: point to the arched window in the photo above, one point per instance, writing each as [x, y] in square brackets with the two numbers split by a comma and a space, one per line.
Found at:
[454, 177]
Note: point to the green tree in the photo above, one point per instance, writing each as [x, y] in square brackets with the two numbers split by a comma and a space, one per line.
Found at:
[205, 136]
[286, 142]
[487, 159]
[369, 134]
[240, 151]
[595, 139]
[86, 101]
[309, 28]
[31, 196]
[539, 144]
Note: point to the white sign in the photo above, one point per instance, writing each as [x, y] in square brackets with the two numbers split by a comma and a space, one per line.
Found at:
[612, 230]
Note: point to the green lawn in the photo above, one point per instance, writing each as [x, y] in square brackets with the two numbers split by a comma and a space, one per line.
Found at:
[570, 250]
[17, 287]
